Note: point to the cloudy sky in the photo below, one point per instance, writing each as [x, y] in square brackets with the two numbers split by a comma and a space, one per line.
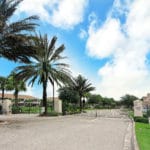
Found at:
[107, 41]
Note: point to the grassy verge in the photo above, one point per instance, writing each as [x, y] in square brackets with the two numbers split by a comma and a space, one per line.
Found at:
[26, 109]
[143, 135]
[130, 113]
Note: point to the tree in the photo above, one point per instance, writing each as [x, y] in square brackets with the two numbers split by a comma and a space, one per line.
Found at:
[3, 85]
[14, 42]
[127, 100]
[69, 99]
[46, 66]
[95, 99]
[108, 102]
[82, 86]
[68, 95]
[15, 84]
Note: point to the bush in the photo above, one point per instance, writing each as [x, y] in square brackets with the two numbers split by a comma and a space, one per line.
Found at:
[16, 110]
[51, 114]
[141, 119]
[97, 106]
[148, 113]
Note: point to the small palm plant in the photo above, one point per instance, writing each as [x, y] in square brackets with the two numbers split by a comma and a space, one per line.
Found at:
[14, 42]
[46, 66]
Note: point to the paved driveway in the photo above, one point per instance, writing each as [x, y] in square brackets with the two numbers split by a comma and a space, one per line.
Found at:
[63, 133]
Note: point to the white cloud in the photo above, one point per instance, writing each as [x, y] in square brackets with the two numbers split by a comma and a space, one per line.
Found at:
[82, 34]
[64, 14]
[128, 45]
[103, 42]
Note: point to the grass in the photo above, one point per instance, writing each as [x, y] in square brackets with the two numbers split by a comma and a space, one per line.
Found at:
[143, 135]
[131, 114]
[33, 110]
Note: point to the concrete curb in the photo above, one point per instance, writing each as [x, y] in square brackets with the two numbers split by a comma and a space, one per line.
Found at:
[128, 137]
[135, 144]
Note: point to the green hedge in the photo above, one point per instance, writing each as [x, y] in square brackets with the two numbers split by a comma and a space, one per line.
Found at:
[51, 114]
[141, 119]
[16, 110]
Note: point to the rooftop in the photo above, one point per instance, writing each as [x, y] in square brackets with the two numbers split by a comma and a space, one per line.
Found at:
[11, 96]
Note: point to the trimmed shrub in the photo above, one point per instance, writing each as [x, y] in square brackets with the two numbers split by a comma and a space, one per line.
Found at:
[51, 114]
[141, 119]
[148, 113]
[16, 110]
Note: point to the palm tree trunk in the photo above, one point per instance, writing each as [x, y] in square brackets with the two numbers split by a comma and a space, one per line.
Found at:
[53, 95]
[3, 95]
[45, 97]
[16, 96]
[80, 103]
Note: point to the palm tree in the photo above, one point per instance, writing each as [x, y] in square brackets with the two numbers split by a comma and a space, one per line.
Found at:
[82, 86]
[3, 84]
[46, 66]
[14, 42]
[15, 84]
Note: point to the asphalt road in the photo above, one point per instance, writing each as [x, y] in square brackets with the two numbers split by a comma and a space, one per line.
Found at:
[64, 133]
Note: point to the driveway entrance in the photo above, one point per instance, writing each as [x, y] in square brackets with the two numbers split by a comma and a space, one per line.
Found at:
[79, 132]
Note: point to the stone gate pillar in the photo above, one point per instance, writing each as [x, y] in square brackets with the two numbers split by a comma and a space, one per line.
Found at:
[7, 106]
[138, 108]
[58, 105]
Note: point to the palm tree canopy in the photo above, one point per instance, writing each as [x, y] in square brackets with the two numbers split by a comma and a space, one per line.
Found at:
[3, 82]
[46, 64]
[14, 42]
[82, 85]
[15, 84]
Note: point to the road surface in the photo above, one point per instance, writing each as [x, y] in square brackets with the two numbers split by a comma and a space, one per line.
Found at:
[81, 132]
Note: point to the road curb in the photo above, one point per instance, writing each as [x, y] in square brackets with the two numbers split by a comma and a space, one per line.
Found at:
[135, 144]
[128, 137]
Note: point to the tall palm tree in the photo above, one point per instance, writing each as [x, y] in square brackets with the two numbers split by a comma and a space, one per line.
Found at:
[15, 84]
[82, 86]
[3, 85]
[14, 42]
[46, 66]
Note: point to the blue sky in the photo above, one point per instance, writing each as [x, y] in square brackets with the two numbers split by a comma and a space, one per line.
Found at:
[107, 41]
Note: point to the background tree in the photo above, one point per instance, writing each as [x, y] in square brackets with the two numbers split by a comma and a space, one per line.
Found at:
[69, 99]
[46, 66]
[68, 95]
[82, 86]
[95, 99]
[127, 100]
[14, 42]
[108, 102]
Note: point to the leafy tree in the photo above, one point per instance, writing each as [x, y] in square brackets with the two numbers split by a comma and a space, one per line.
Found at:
[14, 42]
[108, 102]
[82, 86]
[15, 84]
[46, 66]
[127, 100]
[95, 99]
[3, 85]
[69, 99]
[68, 95]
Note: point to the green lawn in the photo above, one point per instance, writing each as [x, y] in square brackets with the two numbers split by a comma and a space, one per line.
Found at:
[26, 109]
[143, 135]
